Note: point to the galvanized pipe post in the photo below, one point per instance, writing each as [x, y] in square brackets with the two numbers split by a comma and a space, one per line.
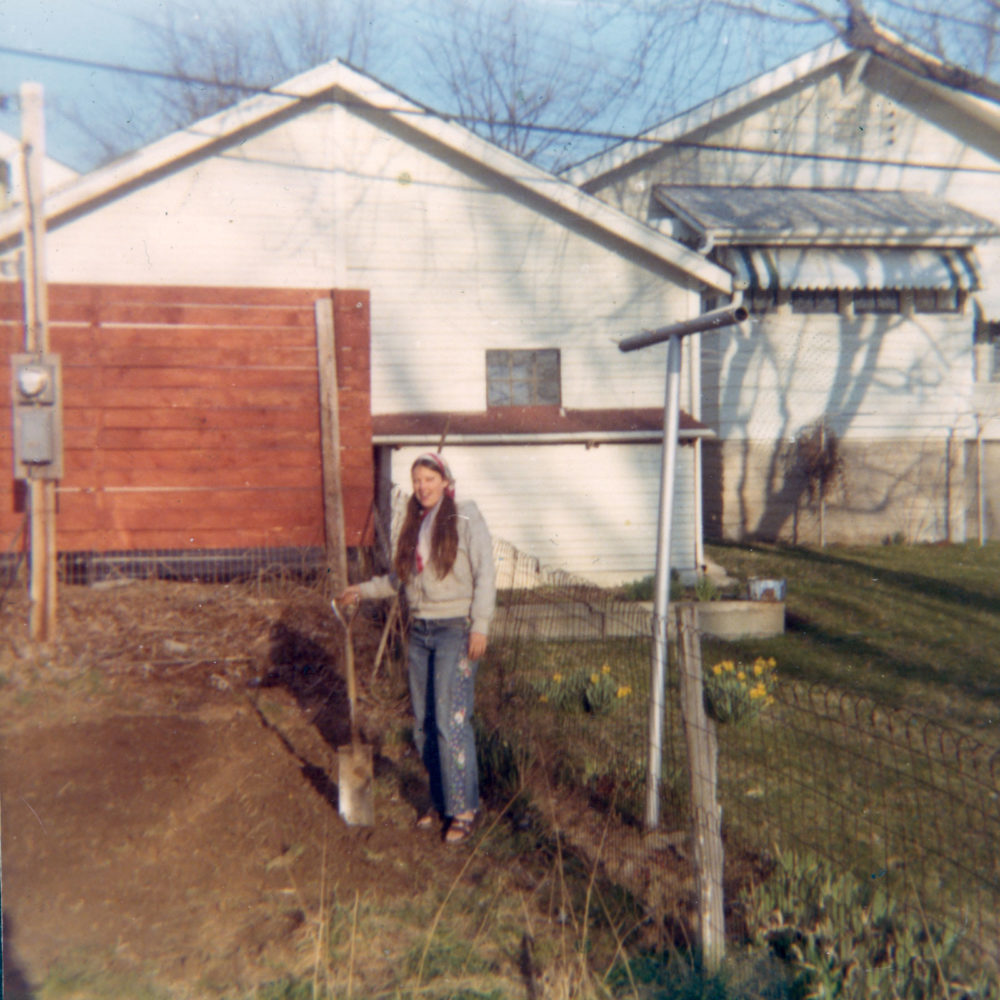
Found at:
[673, 334]
[661, 593]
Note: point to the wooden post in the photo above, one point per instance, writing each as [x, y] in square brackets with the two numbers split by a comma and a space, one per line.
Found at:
[41, 491]
[703, 754]
[329, 414]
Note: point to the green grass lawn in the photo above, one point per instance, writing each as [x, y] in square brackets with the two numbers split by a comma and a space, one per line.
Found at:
[880, 753]
[914, 627]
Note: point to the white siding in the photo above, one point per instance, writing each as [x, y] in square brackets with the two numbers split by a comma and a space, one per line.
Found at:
[455, 261]
[592, 512]
[890, 377]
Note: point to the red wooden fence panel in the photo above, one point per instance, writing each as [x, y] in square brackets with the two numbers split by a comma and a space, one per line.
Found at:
[191, 417]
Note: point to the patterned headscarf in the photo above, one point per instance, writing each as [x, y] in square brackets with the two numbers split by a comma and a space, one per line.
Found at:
[437, 462]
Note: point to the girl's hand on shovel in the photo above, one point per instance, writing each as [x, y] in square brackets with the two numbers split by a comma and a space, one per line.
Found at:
[350, 596]
[349, 599]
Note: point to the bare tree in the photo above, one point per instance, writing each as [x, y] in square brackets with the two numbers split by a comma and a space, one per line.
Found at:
[210, 56]
[550, 82]
[554, 86]
[219, 52]
[954, 44]
[525, 78]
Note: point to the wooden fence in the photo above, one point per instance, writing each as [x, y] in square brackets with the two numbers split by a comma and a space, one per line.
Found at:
[192, 417]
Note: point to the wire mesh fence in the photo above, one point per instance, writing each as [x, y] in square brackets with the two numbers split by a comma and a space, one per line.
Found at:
[894, 801]
[897, 802]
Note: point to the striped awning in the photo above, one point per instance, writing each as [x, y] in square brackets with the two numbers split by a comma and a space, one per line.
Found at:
[851, 268]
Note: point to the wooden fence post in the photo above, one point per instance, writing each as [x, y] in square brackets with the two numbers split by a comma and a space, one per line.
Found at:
[41, 489]
[329, 413]
[706, 814]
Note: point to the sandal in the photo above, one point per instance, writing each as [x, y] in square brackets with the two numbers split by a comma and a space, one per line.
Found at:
[460, 829]
[427, 820]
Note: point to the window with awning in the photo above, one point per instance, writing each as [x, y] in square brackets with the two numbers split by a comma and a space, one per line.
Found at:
[852, 268]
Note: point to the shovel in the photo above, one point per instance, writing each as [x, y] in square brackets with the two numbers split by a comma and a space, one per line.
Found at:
[355, 766]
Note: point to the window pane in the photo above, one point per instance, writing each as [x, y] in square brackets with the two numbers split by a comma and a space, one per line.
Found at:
[522, 365]
[882, 300]
[814, 301]
[497, 364]
[523, 378]
[548, 366]
[498, 393]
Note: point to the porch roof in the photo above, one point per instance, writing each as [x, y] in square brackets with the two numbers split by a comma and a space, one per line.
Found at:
[828, 217]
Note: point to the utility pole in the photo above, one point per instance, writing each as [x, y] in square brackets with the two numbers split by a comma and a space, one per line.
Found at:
[41, 475]
[673, 335]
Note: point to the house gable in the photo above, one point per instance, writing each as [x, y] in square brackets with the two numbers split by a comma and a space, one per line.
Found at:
[862, 320]
[833, 118]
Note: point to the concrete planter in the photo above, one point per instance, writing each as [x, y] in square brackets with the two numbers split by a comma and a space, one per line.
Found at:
[740, 619]
[576, 620]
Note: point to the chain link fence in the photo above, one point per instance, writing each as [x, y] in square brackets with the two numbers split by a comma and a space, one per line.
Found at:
[892, 800]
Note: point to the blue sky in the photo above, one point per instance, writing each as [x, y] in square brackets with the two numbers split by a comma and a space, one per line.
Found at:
[79, 99]
[97, 30]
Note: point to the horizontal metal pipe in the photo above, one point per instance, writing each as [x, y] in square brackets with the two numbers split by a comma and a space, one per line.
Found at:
[726, 316]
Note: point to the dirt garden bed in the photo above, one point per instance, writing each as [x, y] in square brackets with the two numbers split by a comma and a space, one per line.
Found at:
[170, 823]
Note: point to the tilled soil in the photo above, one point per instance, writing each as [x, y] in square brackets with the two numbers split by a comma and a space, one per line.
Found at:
[167, 775]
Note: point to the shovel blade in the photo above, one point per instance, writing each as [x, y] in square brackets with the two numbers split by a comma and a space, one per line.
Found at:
[356, 784]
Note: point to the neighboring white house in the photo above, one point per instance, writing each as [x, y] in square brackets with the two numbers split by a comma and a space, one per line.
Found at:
[857, 204]
[498, 295]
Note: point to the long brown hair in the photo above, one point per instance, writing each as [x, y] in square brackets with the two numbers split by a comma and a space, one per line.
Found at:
[444, 533]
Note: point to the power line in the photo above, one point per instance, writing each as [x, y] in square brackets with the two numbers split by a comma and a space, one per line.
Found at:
[259, 90]
[645, 137]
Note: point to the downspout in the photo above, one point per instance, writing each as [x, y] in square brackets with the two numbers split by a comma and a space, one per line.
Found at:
[695, 389]
[980, 481]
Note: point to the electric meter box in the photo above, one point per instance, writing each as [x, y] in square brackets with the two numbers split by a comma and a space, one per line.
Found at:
[36, 394]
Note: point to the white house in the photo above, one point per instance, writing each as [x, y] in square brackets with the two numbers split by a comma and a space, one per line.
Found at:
[857, 204]
[498, 295]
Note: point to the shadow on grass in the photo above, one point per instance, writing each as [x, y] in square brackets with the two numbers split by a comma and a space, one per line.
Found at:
[881, 656]
[916, 583]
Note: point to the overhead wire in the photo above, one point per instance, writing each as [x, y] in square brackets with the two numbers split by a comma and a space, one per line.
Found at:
[647, 137]
[259, 90]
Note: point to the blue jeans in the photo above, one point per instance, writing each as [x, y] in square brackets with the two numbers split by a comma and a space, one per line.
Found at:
[442, 684]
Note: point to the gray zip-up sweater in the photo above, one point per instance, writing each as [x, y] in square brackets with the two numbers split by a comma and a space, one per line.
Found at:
[468, 590]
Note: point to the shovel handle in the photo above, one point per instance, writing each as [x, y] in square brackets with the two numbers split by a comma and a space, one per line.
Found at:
[346, 618]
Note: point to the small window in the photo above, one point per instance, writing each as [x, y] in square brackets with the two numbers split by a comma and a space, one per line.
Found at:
[937, 300]
[880, 300]
[523, 378]
[812, 300]
[989, 334]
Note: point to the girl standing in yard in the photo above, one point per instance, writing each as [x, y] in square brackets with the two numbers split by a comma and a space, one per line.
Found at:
[444, 559]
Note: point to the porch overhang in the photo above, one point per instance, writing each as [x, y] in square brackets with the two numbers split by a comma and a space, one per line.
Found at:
[532, 425]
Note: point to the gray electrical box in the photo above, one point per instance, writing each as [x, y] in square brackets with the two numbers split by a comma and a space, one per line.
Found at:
[36, 394]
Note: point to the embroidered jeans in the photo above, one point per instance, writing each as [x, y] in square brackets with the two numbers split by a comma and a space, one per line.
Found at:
[442, 682]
